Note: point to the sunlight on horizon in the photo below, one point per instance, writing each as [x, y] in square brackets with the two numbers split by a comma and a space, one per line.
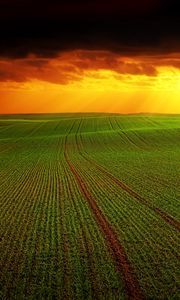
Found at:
[98, 91]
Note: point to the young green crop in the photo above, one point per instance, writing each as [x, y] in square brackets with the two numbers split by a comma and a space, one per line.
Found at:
[89, 206]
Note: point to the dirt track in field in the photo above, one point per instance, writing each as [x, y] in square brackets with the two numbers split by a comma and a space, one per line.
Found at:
[123, 266]
[91, 265]
[166, 217]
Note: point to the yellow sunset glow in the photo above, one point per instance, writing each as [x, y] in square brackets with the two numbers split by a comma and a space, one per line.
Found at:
[96, 90]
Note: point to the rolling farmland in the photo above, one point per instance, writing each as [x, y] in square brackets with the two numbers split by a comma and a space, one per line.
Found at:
[89, 206]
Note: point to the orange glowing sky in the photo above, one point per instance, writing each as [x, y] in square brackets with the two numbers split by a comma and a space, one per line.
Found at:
[90, 81]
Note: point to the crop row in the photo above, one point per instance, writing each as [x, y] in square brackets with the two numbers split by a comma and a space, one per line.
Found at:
[101, 189]
[77, 220]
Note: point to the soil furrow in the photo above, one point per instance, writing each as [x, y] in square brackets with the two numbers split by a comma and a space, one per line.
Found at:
[166, 217]
[123, 266]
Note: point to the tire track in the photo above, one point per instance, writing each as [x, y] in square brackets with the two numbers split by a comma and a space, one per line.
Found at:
[166, 217]
[90, 260]
[123, 266]
[122, 134]
[142, 145]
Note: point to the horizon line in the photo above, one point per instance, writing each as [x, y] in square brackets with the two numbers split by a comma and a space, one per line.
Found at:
[84, 113]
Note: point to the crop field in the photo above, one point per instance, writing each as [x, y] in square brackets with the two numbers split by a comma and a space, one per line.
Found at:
[89, 206]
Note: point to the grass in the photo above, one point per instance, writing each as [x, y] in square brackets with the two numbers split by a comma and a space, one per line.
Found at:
[89, 206]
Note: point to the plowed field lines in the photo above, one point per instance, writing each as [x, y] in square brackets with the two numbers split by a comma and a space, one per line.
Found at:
[123, 265]
[167, 218]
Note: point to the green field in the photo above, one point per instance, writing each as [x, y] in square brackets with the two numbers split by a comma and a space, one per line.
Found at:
[89, 206]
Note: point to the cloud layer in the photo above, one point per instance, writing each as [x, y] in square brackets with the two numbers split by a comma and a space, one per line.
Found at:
[75, 65]
[127, 27]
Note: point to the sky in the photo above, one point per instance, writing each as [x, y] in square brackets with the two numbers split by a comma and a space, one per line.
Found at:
[89, 56]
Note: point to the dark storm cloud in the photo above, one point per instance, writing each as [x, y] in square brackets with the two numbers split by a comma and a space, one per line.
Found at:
[46, 28]
[71, 66]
